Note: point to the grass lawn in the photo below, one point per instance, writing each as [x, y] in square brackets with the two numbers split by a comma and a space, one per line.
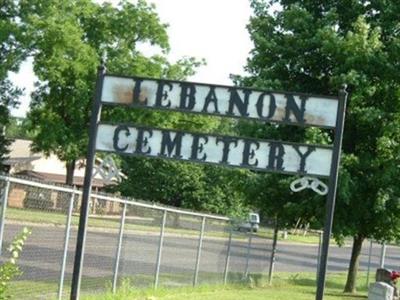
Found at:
[99, 222]
[309, 238]
[285, 287]
[56, 218]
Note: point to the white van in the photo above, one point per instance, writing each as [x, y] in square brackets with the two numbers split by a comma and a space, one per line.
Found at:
[253, 221]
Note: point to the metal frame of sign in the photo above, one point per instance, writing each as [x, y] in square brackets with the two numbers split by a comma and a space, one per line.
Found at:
[333, 172]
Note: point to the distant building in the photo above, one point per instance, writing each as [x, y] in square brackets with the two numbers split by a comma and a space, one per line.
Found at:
[22, 161]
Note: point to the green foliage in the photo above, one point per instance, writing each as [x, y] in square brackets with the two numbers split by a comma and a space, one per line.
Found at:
[315, 46]
[18, 128]
[188, 185]
[10, 270]
[12, 38]
[270, 193]
[8, 94]
[300, 286]
[12, 52]
[70, 39]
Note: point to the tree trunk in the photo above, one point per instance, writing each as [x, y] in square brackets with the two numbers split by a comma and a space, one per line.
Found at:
[354, 263]
[70, 165]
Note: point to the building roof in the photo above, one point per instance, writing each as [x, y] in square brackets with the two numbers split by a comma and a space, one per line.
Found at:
[19, 160]
[23, 161]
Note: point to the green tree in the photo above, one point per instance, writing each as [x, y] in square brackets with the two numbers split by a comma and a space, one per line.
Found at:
[193, 186]
[188, 185]
[12, 52]
[13, 38]
[270, 194]
[70, 39]
[19, 128]
[314, 47]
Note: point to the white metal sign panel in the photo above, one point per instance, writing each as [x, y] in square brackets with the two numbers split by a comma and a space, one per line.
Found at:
[272, 156]
[281, 107]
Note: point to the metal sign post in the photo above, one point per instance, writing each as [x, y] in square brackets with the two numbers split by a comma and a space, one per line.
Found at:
[330, 204]
[87, 187]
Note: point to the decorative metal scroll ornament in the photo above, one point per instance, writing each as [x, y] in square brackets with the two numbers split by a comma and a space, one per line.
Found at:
[108, 170]
[309, 182]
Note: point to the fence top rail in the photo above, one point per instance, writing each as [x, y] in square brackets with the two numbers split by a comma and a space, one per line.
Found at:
[67, 189]
[38, 184]
[158, 207]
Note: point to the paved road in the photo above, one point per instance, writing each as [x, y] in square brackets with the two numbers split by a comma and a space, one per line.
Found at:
[42, 256]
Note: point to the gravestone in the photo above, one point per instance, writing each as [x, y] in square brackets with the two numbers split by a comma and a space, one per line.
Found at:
[383, 275]
[380, 291]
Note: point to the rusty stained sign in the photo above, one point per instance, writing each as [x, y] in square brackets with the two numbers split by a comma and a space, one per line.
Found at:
[263, 155]
[269, 106]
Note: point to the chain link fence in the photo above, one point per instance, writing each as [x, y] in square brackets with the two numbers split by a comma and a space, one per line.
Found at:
[142, 244]
[130, 242]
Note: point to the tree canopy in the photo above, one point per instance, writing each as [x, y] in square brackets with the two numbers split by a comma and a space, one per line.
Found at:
[315, 46]
[18, 129]
[70, 39]
[12, 52]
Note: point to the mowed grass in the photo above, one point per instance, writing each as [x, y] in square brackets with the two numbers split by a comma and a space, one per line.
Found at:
[311, 238]
[285, 286]
[300, 286]
[97, 222]
[107, 223]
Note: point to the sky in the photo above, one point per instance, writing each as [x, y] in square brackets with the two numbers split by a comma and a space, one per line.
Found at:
[211, 29]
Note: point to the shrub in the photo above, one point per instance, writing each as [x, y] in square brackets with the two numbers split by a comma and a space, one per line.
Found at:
[9, 270]
[38, 199]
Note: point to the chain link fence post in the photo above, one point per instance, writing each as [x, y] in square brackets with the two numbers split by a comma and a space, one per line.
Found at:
[160, 247]
[196, 271]
[383, 254]
[4, 202]
[118, 253]
[228, 255]
[246, 271]
[273, 252]
[369, 261]
[66, 241]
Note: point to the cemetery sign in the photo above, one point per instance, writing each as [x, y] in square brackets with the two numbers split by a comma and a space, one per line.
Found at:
[217, 100]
